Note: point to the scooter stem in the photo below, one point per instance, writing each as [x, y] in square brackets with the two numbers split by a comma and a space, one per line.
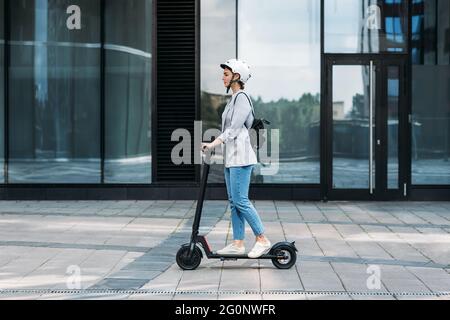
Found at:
[201, 196]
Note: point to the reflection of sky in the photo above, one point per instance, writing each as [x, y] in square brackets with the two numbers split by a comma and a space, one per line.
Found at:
[347, 82]
[393, 87]
[394, 29]
[342, 25]
[344, 20]
[282, 44]
[218, 41]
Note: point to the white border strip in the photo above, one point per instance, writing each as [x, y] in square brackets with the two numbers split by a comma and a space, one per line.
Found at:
[225, 292]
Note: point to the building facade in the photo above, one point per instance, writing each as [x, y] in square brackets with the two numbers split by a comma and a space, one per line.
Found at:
[95, 96]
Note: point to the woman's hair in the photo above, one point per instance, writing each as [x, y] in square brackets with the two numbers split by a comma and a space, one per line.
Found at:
[241, 84]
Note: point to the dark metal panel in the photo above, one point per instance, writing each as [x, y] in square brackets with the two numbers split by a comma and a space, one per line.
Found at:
[154, 92]
[190, 192]
[198, 103]
[6, 106]
[64, 194]
[429, 193]
[106, 193]
[323, 108]
[176, 87]
[102, 92]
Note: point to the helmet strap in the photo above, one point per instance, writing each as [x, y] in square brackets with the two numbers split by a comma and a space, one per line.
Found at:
[231, 82]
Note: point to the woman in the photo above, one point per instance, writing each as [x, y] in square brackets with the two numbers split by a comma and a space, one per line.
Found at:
[239, 158]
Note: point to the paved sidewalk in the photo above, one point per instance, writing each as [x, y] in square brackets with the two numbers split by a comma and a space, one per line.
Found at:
[126, 250]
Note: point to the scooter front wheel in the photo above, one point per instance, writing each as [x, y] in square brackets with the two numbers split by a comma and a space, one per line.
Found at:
[186, 261]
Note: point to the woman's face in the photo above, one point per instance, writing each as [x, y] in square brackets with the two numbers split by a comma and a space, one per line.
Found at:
[228, 76]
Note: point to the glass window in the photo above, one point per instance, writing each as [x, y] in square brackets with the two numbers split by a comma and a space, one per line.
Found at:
[218, 44]
[366, 26]
[282, 45]
[128, 88]
[2, 92]
[431, 92]
[54, 83]
[351, 122]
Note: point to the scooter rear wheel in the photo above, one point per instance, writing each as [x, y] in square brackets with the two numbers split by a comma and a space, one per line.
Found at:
[290, 257]
[189, 263]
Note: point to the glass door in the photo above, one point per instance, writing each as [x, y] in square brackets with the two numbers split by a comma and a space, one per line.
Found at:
[365, 127]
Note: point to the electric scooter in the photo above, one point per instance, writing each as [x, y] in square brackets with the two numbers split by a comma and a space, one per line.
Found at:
[189, 256]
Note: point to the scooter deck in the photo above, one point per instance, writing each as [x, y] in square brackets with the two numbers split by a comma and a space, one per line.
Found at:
[241, 257]
[213, 254]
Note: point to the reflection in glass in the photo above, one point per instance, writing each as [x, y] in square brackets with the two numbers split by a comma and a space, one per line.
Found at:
[128, 61]
[218, 44]
[351, 119]
[431, 92]
[366, 26]
[2, 93]
[393, 126]
[54, 83]
[282, 45]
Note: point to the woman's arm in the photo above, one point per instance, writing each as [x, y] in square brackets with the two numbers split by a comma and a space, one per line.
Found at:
[213, 144]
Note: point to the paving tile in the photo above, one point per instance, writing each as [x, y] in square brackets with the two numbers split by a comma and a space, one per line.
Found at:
[274, 279]
[325, 296]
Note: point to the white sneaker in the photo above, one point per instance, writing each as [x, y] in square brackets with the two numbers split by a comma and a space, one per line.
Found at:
[259, 249]
[231, 249]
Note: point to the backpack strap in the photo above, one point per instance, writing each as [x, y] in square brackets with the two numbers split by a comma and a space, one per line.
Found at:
[249, 100]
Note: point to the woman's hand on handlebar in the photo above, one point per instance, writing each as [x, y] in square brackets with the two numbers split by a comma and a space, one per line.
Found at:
[206, 146]
[212, 145]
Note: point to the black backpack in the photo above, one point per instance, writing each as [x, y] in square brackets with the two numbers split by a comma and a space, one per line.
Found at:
[258, 124]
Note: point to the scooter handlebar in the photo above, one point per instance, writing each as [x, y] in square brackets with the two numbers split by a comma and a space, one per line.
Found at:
[207, 154]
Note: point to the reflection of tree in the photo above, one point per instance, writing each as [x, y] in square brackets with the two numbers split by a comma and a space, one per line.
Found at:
[358, 110]
[212, 106]
[297, 120]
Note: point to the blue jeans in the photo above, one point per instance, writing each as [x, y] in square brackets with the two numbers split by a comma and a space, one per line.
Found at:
[237, 180]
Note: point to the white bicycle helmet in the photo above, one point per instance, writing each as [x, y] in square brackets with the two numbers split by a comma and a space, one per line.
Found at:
[238, 66]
